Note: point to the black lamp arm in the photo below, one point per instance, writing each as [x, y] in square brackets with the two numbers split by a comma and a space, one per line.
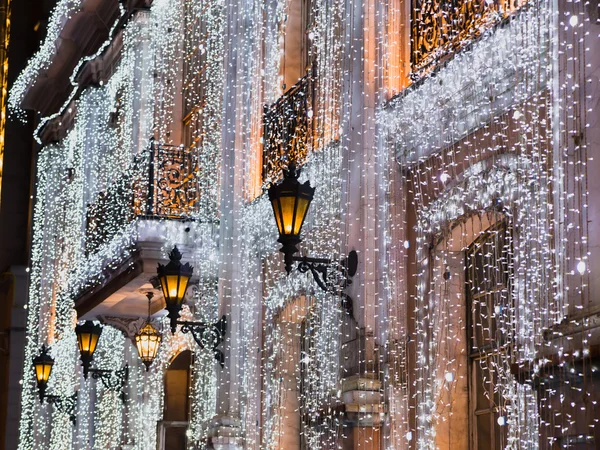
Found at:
[65, 404]
[209, 335]
[332, 277]
[114, 380]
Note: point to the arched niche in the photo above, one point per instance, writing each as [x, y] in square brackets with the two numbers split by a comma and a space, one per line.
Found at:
[471, 206]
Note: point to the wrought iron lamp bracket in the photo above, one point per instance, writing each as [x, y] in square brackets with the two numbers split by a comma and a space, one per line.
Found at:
[65, 404]
[113, 380]
[208, 335]
[331, 277]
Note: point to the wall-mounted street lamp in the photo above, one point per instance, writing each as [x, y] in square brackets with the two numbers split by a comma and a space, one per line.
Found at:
[88, 335]
[174, 279]
[147, 340]
[290, 200]
[42, 365]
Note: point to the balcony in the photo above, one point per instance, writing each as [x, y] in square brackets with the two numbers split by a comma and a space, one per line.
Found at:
[438, 111]
[440, 30]
[288, 130]
[165, 182]
[168, 195]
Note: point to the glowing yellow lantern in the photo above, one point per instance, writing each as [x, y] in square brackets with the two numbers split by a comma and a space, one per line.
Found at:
[147, 340]
[88, 335]
[43, 368]
[290, 201]
[174, 279]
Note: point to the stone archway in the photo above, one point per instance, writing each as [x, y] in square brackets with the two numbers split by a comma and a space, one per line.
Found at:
[478, 198]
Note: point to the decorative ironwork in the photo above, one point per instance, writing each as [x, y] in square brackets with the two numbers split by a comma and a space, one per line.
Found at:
[443, 27]
[64, 404]
[114, 380]
[163, 181]
[208, 335]
[332, 277]
[287, 127]
[173, 179]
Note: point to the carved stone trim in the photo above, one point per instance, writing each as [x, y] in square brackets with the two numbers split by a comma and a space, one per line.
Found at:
[130, 326]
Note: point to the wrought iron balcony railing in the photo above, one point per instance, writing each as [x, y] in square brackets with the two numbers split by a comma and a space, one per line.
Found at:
[442, 28]
[165, 181]
[288, 129]
[174, 185]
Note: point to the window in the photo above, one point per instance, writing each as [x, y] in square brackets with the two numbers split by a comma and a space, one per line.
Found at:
[488, 266]
[296, 44]
[287, 122]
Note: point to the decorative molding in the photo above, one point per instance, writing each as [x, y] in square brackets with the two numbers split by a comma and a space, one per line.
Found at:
[130, 326]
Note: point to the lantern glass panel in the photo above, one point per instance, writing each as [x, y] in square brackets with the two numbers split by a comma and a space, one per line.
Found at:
[277, 211]
[42, 372]
[174, 287]
[290, 212]
[287, 211]
[301, 210]
[147, 342]
[88, 342]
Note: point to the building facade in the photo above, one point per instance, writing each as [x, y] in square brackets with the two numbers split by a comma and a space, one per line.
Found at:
[451, 148]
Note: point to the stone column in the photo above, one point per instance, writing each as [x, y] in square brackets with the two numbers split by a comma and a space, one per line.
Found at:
[364, 193]
[289, 412]
[240, 92]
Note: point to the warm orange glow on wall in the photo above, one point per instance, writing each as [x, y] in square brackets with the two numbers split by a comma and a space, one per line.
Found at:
[397, 48]
[253, 188]
[4, 40]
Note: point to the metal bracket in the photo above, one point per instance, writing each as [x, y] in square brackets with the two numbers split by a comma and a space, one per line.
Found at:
[64, 404]
[113, 380]
[208, 335]
[334, 281]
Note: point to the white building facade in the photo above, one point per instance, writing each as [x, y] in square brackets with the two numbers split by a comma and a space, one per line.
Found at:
[451, 146]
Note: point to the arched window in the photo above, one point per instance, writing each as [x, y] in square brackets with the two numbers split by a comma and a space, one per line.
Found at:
[488, 266]
[194, 77]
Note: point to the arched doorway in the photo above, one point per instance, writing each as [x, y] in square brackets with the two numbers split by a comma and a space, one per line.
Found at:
[176, 413]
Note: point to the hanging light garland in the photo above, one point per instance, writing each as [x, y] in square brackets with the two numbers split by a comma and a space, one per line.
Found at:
[505, 107]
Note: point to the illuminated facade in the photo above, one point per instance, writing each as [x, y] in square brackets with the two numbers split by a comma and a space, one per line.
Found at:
[450, 145]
